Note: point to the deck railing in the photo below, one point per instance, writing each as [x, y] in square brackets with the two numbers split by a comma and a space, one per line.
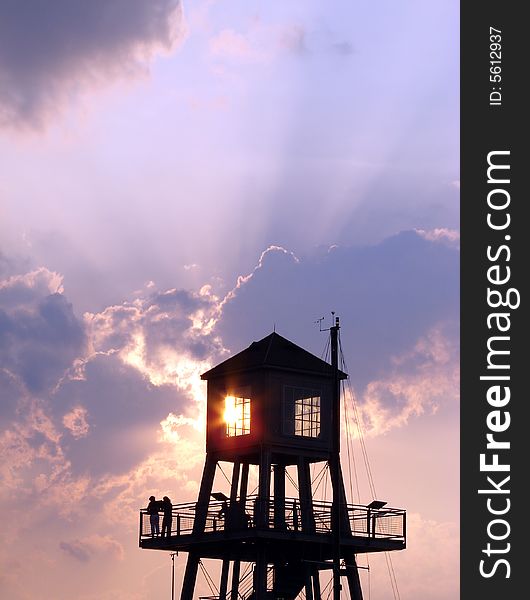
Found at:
[383, 523]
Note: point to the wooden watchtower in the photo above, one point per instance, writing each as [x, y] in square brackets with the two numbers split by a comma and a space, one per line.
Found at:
[275, 405]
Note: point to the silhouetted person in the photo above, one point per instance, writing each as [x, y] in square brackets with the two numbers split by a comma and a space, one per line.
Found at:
[152, 510]
[223, 512]
[167, 507]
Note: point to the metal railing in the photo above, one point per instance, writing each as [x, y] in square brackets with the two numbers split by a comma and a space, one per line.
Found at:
[290, 515]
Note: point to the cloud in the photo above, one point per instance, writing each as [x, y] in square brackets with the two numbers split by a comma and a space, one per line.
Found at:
[166, 336]
[420, 381]
[49, 52]
[441, 234]
[124, 382]
[76, 422]
[399, 302]
[124, 411]
[103, 421]
[85, 549]
[30, 447]
[86, 402]
[388, 295]
[263, 43]
[40, 335]
[20, 289]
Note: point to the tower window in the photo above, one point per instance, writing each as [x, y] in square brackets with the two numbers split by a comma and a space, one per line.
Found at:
[237, 415]
[302, 412]
[307, 416]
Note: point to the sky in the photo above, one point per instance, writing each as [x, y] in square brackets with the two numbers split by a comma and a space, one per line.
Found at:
[178, 179]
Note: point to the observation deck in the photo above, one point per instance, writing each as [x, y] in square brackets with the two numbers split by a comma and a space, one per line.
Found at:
[286, 522]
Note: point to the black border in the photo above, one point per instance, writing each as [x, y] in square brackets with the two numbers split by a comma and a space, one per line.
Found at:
[485, 128]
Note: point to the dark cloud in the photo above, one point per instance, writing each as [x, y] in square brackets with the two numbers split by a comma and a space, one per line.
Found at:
[40, 336]
[100, 387]
[388, 296]
[10, 392]
[75, 550]
[50, 50]
[162, 319]
[168, 318]
[148, 357]
[124, 411]
[87, 548]
[343, 48]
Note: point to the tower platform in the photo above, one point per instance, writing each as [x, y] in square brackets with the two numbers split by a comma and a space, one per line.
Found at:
[231, 528]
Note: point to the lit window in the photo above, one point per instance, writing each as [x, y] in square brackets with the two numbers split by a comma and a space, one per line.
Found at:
[307, 416]
[237, 415]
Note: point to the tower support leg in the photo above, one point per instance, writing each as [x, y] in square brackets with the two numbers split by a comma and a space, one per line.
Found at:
[345, 520]
[261, 517]
[279, 497]
[192, 565]
[306, 497]
[236, 569]
[235, 481]
[316, 584]
[226, 561]
[260, 575]
[352, 575]
[190, 577]
[204, 494]
[308, 586]
[224, 579]
[244, 483]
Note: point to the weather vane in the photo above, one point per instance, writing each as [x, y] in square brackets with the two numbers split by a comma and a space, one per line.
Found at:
[319, 321]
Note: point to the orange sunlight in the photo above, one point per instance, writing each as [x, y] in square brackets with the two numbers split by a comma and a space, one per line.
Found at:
[230, 414]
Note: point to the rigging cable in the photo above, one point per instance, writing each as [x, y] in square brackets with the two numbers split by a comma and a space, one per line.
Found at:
[325, 353]
[291, 480]
[224, 474]
[360, 428]
[351, 460]
[330, 590]
[318, 479]
[359, 424]
[214, 591]
[349, 447]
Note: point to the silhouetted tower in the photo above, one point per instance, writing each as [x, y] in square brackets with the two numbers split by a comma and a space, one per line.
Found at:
[275, 405]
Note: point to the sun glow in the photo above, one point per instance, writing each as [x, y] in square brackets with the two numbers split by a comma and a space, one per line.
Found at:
[230, 414]
[237, 415]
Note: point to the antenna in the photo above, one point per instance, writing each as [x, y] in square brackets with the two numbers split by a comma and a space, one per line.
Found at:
[334, 322]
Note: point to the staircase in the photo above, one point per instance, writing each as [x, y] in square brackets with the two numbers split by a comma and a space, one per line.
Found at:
[283, 582]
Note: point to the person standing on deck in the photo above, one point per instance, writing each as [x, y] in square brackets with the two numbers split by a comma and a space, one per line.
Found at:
[152, 510]
[167, 507]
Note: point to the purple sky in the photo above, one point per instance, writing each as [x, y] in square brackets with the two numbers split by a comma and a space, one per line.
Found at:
[175, 181]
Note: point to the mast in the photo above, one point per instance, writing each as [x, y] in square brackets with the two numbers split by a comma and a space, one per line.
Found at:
[335, 457]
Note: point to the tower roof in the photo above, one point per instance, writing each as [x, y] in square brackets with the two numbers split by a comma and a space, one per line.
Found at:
[273, 352]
